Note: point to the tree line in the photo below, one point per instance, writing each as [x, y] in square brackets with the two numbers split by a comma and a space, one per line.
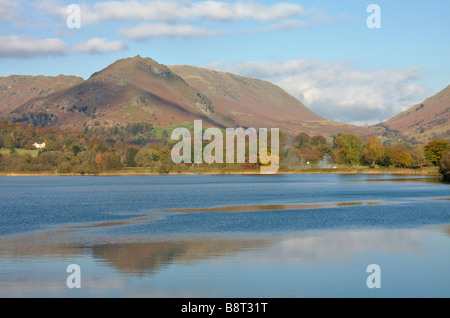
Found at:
[101, 149]
[351, 150]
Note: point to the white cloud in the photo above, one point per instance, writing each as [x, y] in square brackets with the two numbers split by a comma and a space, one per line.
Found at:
[100, 45]
[145, 31]
[25, 46]
[178, 18]
[172, 11]
[338, 91]
[186, 10]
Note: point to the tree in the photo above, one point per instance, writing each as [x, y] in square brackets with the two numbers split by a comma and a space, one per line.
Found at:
[130, 156]
[97, 144]
[302, 139]
[8, 142]
[444, 166]
[312, 155]
[434, 150]
[100, 160]
[318, 140]
[400, 157]
[418, 156]
[166, 163]
[113, 161]
[348, 148]
[76, 149]
[373, 150]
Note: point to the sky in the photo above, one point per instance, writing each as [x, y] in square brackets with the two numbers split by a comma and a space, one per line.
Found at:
[326, 53]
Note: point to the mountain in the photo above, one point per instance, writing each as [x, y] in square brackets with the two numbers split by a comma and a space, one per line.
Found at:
[129, 90]
[424, 121]
[140, 89]
[17, 89]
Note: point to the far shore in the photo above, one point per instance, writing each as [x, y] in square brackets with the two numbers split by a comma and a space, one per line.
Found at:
[428, 171]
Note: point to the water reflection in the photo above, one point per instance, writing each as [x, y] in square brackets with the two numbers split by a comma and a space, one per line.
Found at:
[148, 256]
[277, 207]
[34, 264]
[399, 178]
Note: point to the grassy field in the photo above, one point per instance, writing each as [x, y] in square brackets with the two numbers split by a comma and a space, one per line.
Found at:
[33, 152]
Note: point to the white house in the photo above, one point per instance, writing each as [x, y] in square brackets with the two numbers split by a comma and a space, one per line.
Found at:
[39, 146]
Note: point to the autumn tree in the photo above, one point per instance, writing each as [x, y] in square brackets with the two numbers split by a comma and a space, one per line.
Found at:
[318, 140]
[444, 166]
[373, 150]
[434, 150]
[97, 144]
[302, 139]
[312, 155]
[400, 157]
[100, 161]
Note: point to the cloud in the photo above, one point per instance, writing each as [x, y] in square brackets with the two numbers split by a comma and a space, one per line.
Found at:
[9, 10]
[100, 45]
[168, 18]
[186, 10]
[172, 11]
[282, 25]
[25, 46]
[338, 91]
[145, 31]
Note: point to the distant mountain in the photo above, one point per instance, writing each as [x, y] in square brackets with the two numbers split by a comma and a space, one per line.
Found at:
[17, 89]
[425, 121]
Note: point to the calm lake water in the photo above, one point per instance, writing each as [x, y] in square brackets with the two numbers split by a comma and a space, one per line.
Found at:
[225, 236]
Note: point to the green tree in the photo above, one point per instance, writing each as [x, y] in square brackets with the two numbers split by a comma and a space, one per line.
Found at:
[76, 149]
[165, 159]
[434, 150]
[418, 156]
[348, 148]
[130, 156]
[8, 142]
[113, 161]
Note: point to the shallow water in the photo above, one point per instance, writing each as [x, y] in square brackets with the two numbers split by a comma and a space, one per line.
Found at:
[225, 236]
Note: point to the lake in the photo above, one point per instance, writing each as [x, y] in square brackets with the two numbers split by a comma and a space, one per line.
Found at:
[291, 236]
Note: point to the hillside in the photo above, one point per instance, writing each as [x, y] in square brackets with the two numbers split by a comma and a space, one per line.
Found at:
[425, 121]
[250, 102]
[18, 89]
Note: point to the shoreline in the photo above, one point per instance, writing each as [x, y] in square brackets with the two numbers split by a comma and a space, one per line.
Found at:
[431, 172]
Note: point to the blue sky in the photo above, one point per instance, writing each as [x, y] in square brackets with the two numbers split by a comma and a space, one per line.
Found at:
[322, 52]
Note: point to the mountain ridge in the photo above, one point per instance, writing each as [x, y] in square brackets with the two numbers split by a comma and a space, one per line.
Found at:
[137, 89]
[424, 121]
